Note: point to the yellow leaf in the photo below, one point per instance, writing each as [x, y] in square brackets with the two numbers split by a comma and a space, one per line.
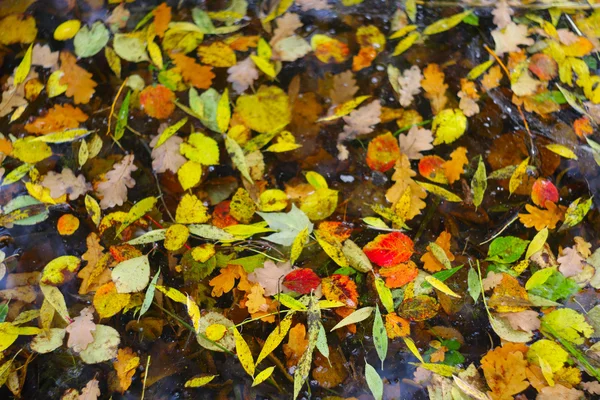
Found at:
[546, 371]
[266, 111]
[58, 271]
[320, 204]
[67, 30]
[173, 294]
[406, 43]
[273, 200]
[203, 252]
[9, 333]
[155, 54]
[237, 156]
[215, 332]
[176, 236]
[24, 67]
[18, 28]
[562, 151]
[194, 313]
[441, 286]
[316, 180]
[136, 212]
[298, 245]
[200, 381]
[264, 65]
[263, 376]
[108, 301]
[445, 24]
[344, 108]
[413, 348]
[114, 62]
[53, 86]
[170, 131]
[223, 112]
[242, 207]
[440, 191]
[217, 54]
[189, 174]
[435, 90]
[328, 50]
[201, 149]
[191, 210]
[243, 352]
[333, 248]
[448, 125]
[93, 209]
[275, 337]
[29, 151]
[54, 296]
[518, 175]
[537, 243]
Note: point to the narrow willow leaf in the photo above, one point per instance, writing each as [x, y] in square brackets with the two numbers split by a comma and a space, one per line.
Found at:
[546, 370]
[562, 151]
[16, 174]
[441, 286]
[375, 222]
[173, 294]
[595, 148]
[263, 376]
[469, 389]
[410, 344]
[380, 338]
[290, 302]
[442, 275]
[303, 369]
[298, 245]
[84, 153]
[445, 24]
[24, 67]
[406, 43]
[275, 338]
[149, 295]
[123, 118]
[237, 156]
[223, 112]
[410, 6]
[479, 183]
[342, 110]
[537, 243]
[374, 381]
[576, 213]
[385, 295]
[68, 135]
[200, 381]
[480, 69]
[170, 131]
[440, 369]
[93, 209]
[356, 256]
[440, 191]
[209, 232]
[136, 212]
[53, 295]
[359, 315]
[194, 312]
[322, 341]
[440, 255]
[243, 352]
[572, 99]
[149, 237]
[332, 248]
[474, 285]
[517, 177]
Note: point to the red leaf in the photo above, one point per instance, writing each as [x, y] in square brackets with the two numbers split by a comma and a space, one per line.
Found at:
[301, 280]
[383, 152]
[431, 167]
[542, 191]
[389, 249]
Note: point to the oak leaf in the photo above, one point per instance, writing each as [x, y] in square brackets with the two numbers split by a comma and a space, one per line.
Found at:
[242, 75]
[80, 84]
[116, 181]
[560, 392]
[431, 263]
[256, 300]
[343, 87]
[410, 85]
[286, 25]
[199, 76]
[296, 345]
[91, 391]
[571, 263]
[162, 17]
[225, 281]
[308, 5]
[454, 167]
[491, 79]
[504, 369]
[361, 121]
[527, 320]
[502, 14]
[434, 87]
[510, 38]
[416, 141]
[125, 366]
[270, 275]
[167, 156]
[65, 182]
[44, 57]
[58, 118]
[540, 218]
[80, 330]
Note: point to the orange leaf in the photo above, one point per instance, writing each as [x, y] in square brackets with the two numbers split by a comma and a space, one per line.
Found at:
[389, 249]
[162, 17]
[57, 119]
[583, 127]
[197, 75]
[224, 282]
[541, 219]
[434, 87]
[396, 326]
[455, 166]
[504, 369]
[491, 79]
[431, 167]
[337, 229]
[80, 84]
[157, 101]
[543, 190]
[340, 288]
[399, 275]
[509, 296]
[126, 365]
[382, 153]
[67, 224]
[296, 345]
[256, 300]
[364, 58]
[431, 263]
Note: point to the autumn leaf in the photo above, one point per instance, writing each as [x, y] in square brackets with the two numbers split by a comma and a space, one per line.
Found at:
[114, 188]
[340, 288]
[382, 153]
[80, 84]
[125, 366]
[430, 261]
[199, 76]
[504, 370]
[453, 168]
[396, 326]
[417, 140]
[571, 263]
[225, 281]
[58, 118]
[162, 17]
[270, 276]
[296, 345]
[157, 101]
[434, 87]
[302, 280]
[491, 79]
[399, 275]
[389, 249]
[510, 38]
[543, 190]
[80, 330]
[540, 219]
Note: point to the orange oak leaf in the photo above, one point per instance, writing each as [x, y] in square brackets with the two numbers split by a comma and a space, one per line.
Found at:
[125, 366]
[256, 300]
[399, 275]
[541, 219]
[504, 369]
[162, 17]
[431, 263]
[58, 118]
[80, 84]
[491, 79]
[340, 288]
[157, 101]
[434, 87]
[197, 75]
[224, 282]
[296, 345]
[454, 167]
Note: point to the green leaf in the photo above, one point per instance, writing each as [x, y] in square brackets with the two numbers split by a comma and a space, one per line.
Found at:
[380, 338]
[479, 183]
[359, 315]
[506, 249]
[551, 284]
[474, 284]
[322, 341]
[88, 42]
[149, 295]
[122, 118]
[288, 225]
[385, 295]
[374, 381]
[442, 275]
